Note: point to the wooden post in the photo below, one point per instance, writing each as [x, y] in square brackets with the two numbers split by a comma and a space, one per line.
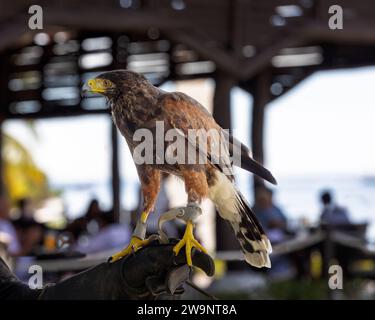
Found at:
[221, 110]
[115, 174]
[225, 239]
[328, 256]
[116, 181]
[4, 103]
[261, 98]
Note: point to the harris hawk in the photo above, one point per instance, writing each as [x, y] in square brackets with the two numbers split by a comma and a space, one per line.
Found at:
[136, 104]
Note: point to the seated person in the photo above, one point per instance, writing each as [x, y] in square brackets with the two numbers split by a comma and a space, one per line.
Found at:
[274, 223]
[29, 232]
[109, 235]
[6, 228]
[269, 215]
[332, 214]
[80, 225]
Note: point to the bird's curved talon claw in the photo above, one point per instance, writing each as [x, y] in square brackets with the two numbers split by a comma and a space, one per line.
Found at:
[134, 245]
[189, 242]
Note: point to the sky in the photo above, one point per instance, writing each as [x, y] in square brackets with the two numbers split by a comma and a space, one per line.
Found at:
[324, 126]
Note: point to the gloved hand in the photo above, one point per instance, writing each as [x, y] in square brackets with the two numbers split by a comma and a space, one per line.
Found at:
[156, 273]
[13, 289]
[153, 272]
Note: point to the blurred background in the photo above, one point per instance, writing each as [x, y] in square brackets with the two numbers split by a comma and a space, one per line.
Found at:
[297, 92]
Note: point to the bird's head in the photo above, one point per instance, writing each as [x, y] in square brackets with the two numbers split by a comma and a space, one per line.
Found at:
[113, 83]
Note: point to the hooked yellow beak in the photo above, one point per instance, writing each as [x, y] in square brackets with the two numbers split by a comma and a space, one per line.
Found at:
[97, 86]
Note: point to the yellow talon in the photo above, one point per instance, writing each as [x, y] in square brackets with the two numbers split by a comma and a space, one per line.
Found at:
[189, 242]
[134, 245]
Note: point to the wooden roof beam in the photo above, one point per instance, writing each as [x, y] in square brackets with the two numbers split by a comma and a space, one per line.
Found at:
[182, 31]
[109, 19]
[12, 30]
[358, 33]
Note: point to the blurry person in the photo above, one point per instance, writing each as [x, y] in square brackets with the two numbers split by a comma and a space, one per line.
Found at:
[7, 228]
[30, 236]
[110, 235]
[274, 222]
[25, 210]
[270, 216]
[93, 217]
[93, 210]
[332, 214]
[88, 223]
[29, 231]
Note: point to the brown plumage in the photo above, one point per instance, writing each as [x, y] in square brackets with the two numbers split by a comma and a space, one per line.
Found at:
[136, 104]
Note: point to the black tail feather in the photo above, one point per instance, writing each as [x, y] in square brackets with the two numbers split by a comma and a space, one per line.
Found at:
[251, 236]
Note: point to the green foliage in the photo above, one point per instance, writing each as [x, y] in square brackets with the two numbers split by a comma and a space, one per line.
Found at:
[22, 177]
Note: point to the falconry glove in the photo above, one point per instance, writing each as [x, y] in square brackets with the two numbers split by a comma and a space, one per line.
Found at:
[153, 272]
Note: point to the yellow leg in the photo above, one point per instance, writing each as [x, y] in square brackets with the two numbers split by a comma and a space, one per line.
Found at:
[135, 242]
[144, 216]
[189, 242]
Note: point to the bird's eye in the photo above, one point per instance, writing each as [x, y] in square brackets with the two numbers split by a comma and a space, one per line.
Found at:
[106, 83]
